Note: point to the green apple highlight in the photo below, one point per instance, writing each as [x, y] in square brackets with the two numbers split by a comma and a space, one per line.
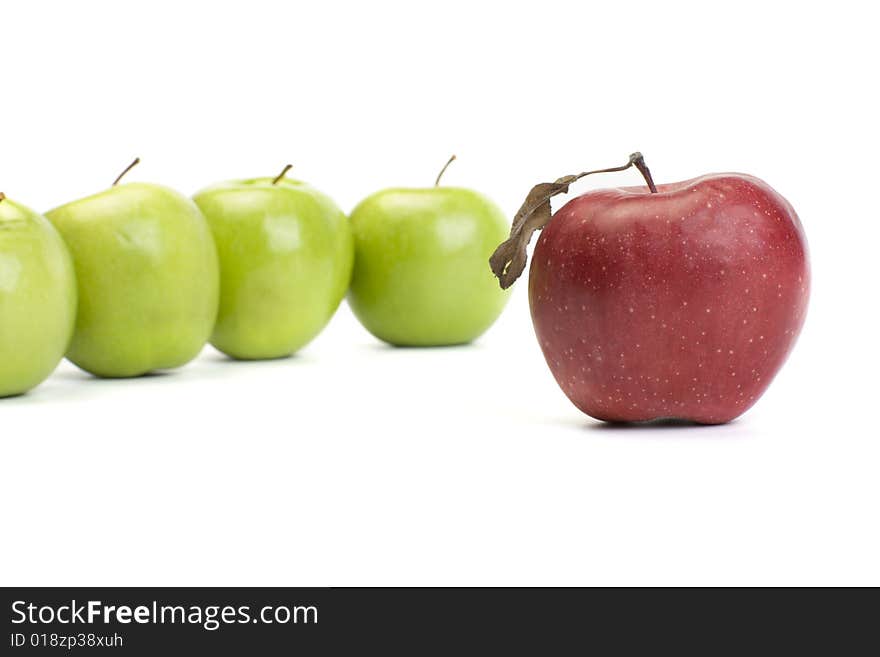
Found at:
[286, 255]
[147, 277]
[420, 276]
[37, 298]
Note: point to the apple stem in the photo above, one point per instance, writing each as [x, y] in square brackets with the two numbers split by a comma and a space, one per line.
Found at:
[277, 179]
[509, 259]
[2, 197]
[131, 166]
[443, 170]
[638, 161]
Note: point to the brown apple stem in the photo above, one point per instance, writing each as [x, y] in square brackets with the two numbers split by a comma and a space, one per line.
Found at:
[638, 161]
[131, 166]
[509, 259]
[2, 197]
[443, 170]
[278, 178]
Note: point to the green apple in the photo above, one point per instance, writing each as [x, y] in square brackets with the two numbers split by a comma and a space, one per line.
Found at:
[37, 298]
[420, 276]
[286, 255]
[147, 276]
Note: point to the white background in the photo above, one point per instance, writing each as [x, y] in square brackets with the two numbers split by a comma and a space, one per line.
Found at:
[355, 463]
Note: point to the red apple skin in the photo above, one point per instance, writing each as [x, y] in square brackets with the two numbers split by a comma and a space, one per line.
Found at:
[680, 304]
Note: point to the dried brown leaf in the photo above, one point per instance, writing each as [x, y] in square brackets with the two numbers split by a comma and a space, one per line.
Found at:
[509, 260]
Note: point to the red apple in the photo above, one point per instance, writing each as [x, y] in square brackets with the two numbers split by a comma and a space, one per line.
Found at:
[680, 303]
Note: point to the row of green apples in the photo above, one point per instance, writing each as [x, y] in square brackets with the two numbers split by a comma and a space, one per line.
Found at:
[139, 277]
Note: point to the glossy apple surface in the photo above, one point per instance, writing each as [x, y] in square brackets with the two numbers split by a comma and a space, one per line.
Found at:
[286, 255]
[420, 276]
[680, 304]
[147, 278]
[37, 298]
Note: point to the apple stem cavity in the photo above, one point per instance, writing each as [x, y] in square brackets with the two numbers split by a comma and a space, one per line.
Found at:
[443, 170]
[131, 166]
[509, 259]
[280, 176]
